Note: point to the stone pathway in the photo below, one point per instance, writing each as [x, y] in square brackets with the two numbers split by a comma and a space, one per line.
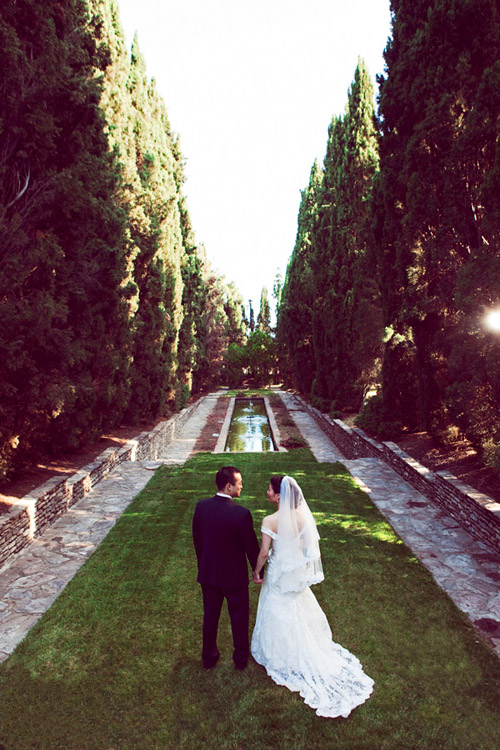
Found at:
[462, 566]
[34, 578]
[182, 446]
[466, 569]
[322, 447]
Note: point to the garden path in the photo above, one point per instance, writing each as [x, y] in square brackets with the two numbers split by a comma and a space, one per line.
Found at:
[31, 581]
[461, 565]
[467, 570]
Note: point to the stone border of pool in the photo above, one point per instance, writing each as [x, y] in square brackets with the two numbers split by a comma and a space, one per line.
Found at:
[221, 442]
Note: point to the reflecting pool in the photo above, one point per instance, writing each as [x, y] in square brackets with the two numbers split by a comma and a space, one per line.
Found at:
[250, 430]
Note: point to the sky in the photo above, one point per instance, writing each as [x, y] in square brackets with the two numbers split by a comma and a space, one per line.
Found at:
[250, 87]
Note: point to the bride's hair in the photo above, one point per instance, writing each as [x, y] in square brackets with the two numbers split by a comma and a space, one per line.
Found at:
[276, 483]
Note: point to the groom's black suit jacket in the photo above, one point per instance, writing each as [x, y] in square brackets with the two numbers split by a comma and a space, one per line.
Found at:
[224, 538]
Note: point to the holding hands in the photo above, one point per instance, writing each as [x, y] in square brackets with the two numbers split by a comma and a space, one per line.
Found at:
[269, 528]
[258, 577]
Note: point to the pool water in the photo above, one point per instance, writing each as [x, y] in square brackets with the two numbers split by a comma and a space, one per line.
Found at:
[249, 431]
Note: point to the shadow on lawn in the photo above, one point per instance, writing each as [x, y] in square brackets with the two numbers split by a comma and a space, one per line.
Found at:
[115, 663]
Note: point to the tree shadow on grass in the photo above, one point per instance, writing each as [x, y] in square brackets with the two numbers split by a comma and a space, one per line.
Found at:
[115, 662]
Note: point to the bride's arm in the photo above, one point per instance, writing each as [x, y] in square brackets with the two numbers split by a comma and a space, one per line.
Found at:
[258, 576]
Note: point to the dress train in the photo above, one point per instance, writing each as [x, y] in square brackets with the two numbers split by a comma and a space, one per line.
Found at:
[293, 641]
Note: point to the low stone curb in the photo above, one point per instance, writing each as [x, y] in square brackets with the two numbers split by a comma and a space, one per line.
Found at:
[475, 511]
[31, 514]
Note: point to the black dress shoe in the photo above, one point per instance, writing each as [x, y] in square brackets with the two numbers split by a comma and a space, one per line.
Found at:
[240, 667]
[211, 663]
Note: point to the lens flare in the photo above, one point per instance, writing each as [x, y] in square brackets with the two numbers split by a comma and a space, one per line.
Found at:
[492, 320]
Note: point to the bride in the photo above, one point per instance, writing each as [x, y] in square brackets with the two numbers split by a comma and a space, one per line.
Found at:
[292, 638]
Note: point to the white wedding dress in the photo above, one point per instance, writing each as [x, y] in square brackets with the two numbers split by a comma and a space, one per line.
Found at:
[293, 641]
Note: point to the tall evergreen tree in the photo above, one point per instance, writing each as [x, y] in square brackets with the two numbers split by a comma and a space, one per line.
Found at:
[233, 307]
[164, 253]
[190, 345]
[347, 326]
[436, 220]
[213, 320]
[330, 305]
[294, 323]
[251, 316]
[264, 316]
[64, 341]
[277, 289]
[95, 234]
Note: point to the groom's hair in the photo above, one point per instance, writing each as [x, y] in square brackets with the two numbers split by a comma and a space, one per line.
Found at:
[225, 475]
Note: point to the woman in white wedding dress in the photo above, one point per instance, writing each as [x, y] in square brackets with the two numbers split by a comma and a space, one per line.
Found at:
[292, 638]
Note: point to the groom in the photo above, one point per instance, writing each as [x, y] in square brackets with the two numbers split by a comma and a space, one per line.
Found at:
[224, 538]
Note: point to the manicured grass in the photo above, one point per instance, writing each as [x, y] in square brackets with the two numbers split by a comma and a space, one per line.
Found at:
[248, 392]
[115, 663]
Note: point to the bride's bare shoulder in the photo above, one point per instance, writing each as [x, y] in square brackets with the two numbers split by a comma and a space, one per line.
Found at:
[271, 522]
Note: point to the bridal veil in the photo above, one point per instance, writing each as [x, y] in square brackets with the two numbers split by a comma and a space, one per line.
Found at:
[298, 558]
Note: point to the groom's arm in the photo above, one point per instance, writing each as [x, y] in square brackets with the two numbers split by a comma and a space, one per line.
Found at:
[250, 541]
[196, 533]
[258, 573]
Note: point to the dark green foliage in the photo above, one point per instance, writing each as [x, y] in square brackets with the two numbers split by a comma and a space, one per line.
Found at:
[233, 307]
[264, 316]
[346, 312]
[294, 323]
[437, 216]
[235, 365]
[406, 251]
[329, 321]
[277, 290]
[158, 239]
[192, 302]
[261, 357]
[64, 339]
[96, 242]
[256, 360]
[213, 321]
[251, 321]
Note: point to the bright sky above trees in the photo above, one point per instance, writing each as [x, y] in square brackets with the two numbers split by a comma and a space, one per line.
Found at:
[251, 86]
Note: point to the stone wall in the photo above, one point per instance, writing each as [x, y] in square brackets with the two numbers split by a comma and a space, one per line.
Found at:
[30, 515]
[476, 512]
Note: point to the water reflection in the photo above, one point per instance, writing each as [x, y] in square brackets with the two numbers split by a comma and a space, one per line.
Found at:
[249, 431]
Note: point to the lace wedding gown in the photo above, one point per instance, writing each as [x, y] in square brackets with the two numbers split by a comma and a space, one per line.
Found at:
[293, 641]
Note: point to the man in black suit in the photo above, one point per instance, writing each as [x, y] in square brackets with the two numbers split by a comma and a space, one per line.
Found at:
[224, 538]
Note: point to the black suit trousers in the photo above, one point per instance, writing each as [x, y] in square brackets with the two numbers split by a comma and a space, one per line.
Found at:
[238, 607]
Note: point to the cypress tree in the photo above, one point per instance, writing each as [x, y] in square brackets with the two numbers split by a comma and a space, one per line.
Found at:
[472, 397]
[94, 232]
[436, 219]
[192, 303]
[158, 239]
[277, 289]
[64, 337]
[347, 325]
[294, 323]
[213, 320]
[329, 319]
[163, 248]
[251, 318]
[233, 307]
[264, 316]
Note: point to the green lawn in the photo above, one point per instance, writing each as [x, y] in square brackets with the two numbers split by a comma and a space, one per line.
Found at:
[115, 663]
